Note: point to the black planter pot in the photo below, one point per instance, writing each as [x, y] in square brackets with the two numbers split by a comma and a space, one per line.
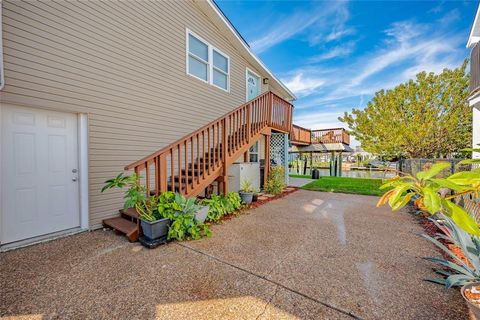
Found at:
[155, 229]
[315, 174]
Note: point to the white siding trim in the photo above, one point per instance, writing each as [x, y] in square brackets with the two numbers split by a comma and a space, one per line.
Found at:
[83, 169]
[2, 76]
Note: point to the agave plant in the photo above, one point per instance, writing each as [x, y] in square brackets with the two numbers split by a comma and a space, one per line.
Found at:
[460, 272]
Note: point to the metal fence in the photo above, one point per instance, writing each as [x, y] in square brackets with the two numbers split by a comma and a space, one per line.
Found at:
[468, 202]
[412, 166]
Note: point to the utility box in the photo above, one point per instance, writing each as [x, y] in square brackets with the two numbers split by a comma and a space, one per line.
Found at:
[239, 172]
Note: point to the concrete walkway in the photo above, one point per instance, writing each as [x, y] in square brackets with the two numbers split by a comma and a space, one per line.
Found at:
[310, 255]
[298, 182]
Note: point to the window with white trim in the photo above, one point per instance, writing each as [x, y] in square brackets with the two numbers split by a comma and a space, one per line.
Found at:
[198, 58]
[207, 63]
[254, 153]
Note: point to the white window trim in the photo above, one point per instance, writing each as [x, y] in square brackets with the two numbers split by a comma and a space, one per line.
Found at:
[210, 66]
[247, 70]
[257, 145]
[212, 48]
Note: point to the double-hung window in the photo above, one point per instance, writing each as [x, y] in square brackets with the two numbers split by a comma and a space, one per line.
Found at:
[207, 63]
[198, 57]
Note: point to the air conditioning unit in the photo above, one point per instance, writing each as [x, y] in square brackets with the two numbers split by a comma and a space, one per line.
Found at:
[239, 172]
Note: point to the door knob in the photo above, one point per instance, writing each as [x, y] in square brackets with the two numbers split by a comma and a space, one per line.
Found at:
[74, 179]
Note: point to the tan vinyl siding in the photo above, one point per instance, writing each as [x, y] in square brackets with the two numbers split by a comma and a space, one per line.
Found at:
[121, 62]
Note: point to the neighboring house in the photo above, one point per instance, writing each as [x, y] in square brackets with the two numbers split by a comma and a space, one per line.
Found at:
[474, 100]
[90, 87]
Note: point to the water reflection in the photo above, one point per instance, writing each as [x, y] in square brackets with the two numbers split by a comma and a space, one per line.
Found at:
[368, 173]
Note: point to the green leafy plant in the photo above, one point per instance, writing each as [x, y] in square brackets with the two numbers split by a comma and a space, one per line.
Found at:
[186, 205]
[425, 187]
[276, 180]
[135, 194]
[459, 272]
[217, 207]
[233, 202]
[220, 205]
[167, 205]
[246, 186]
[186, 227]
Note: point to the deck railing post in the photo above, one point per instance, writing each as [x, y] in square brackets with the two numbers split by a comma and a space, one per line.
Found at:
[162, 172]
[249, 110]
[270, 110]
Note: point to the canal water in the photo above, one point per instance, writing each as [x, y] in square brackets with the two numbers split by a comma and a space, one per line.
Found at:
[367, 173]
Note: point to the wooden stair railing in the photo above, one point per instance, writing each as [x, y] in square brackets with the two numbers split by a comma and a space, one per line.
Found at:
[193, 162]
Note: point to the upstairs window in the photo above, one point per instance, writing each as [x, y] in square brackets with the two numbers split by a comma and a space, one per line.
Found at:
[220, 70]
[207, 63]
[198, 58]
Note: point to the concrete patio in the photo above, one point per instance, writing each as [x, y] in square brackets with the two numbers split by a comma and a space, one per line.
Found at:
[310, 255]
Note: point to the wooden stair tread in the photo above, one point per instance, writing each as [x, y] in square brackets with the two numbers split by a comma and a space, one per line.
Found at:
[125, 226]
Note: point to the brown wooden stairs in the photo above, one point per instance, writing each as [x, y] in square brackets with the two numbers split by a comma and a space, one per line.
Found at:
[192, 163]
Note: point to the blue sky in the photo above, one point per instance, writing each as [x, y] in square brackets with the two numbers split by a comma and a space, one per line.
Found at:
[335, 55]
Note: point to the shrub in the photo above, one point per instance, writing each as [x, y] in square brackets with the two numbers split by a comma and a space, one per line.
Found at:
[276, 180]
[220, 205]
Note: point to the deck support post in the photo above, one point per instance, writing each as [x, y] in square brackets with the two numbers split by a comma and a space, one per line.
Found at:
[224, 177]
[267, 159]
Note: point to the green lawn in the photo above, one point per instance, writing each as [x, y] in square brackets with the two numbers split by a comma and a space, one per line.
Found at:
[346, 185]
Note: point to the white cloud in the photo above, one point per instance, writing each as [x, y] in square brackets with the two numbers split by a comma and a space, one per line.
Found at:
[334, 52]
[407, 49]
[320, 17]
[303, 85]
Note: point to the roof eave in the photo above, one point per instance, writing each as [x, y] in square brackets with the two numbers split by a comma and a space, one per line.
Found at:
[474, 36]
[242, 41]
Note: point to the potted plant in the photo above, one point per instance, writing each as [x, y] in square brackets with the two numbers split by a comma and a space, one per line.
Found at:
[471, 294]
[246, 192]
[155, 223]
[154, 212]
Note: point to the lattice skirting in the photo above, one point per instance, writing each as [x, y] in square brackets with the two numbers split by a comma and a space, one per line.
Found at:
[279, 151]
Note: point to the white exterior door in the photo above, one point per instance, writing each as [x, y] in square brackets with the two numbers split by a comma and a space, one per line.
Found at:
[39, 173]
[253, 85]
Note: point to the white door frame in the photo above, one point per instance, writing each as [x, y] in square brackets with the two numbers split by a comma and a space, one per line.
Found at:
[83, 170]
[247, 70]
[82, 136]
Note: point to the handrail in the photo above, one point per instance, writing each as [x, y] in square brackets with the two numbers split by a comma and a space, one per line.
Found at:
[157, 153]
[191, 162]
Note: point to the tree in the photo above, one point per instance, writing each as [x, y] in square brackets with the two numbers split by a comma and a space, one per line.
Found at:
[422, 118]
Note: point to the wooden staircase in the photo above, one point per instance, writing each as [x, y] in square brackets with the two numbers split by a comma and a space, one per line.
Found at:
[192, 163]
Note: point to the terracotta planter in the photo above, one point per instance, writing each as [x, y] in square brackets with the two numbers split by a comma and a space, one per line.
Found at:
[474, 308]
